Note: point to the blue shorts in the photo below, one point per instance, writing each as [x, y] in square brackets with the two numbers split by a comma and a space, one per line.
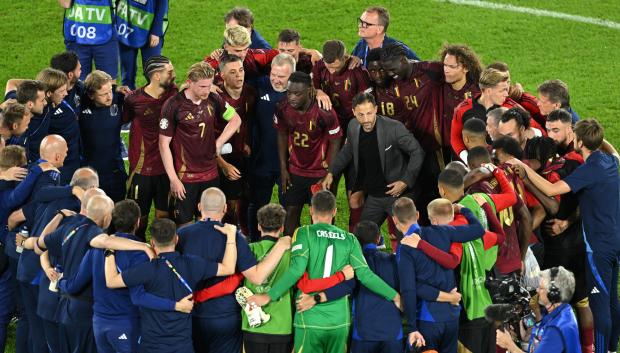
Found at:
[440, 336]
[119, 335]
[362, 346]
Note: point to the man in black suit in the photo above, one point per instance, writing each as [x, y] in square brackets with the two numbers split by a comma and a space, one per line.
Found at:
[385, 155]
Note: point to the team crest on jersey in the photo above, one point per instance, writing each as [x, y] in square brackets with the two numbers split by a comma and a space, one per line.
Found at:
[189, 116]
[163, 124]
[76, 100]
[114, 109]
[311, 125]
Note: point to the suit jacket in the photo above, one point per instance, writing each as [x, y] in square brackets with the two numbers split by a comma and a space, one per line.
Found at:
[400, 153]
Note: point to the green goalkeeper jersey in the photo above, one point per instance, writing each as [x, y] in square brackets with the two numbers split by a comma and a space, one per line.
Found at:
[322, 250]
[281, 309]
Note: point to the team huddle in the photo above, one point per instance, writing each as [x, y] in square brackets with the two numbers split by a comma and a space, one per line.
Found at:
[476, 180]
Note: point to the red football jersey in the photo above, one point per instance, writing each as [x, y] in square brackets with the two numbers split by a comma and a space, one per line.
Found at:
[509, 252]
[192, 128]
[308, 137]
[530, 103]
[304, 64]
[244, 106]
[450, 99]
[257, 62]
[341, 87]
[143, 111]
[418, 103]
[470, 108]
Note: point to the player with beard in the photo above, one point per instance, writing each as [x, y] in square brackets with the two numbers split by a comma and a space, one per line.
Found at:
[313, 135]
[148, 181]
[596, 185]
[242, 97]
[560, 129]
[100, 127]
[561, 234]
[30, 93]
[187, 142]
[385, 106]
[69, 63]
[517, 124]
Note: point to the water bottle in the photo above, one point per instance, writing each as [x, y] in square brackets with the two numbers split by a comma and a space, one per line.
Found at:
[24, 233]
[54, 284]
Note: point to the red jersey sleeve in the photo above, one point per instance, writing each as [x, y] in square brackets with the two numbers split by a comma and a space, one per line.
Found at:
[264, 57]
[530, 103]
[307, 285]
[456, 128]
[330, 121]
[279, 118]
[508, 196]
[225, 287]
[553, 178]
[167, 120]
[214, 63]
[447, 260]
[362, 78]
[495, 235]
[128, 111]
[316, 74]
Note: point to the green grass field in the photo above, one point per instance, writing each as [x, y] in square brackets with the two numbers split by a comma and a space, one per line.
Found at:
[585, 56]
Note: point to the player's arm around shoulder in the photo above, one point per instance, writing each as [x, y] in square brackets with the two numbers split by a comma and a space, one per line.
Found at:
[366, 276]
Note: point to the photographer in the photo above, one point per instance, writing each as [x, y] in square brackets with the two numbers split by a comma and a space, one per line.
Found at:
[557, 331]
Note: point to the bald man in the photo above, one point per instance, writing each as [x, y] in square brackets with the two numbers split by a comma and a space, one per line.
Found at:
[217, 322]
[68, 237]
[47, 201]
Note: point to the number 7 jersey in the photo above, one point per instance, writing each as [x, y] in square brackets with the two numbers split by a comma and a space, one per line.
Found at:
[192, 128]
[309, 133]
[322, 250]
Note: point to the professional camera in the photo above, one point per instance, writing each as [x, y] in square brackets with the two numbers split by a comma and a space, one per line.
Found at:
[511, 302]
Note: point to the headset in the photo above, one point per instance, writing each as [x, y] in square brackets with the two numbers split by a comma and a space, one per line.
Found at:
[554, 294]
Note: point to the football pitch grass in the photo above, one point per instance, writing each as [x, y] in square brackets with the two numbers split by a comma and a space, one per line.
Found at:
[537, 48]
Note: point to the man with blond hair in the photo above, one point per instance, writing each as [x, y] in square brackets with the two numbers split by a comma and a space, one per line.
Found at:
[187, 140]
[494, 86]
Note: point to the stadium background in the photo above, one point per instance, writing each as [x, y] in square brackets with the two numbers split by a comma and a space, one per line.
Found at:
[537, 48]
